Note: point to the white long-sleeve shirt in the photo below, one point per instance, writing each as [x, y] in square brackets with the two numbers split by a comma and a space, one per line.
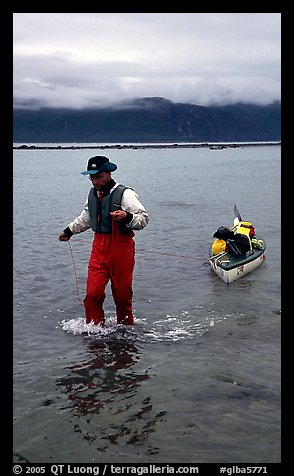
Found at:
[130, 203]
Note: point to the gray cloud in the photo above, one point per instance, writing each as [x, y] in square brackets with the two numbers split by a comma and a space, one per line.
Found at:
[94, 59]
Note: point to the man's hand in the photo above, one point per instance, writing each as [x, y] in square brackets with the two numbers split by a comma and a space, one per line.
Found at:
[119, 215]
[63, 237]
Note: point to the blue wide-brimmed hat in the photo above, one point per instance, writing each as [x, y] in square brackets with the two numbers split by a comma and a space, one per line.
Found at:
[97, 164]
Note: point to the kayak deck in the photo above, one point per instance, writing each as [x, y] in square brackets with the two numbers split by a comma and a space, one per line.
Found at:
[227, 261]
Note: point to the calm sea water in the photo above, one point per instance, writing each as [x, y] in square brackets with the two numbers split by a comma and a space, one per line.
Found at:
[197, 379]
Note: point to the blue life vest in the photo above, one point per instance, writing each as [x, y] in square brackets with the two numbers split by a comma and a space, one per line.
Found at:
[101, 221]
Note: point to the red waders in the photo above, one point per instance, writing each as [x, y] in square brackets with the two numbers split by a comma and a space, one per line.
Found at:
[112, 258]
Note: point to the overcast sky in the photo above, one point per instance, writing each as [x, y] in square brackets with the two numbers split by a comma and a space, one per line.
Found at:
[83, 60]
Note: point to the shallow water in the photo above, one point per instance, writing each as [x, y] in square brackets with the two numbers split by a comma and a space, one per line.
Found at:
[197, 379]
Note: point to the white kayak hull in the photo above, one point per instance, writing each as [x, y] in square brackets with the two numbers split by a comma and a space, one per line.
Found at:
[238, 271]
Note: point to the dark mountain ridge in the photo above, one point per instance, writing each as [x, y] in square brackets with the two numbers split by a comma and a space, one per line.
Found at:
[150, 120]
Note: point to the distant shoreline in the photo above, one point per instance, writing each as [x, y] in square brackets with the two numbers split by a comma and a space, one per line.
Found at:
[210, 145]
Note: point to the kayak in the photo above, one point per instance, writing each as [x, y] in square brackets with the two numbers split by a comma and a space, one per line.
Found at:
[228, 266]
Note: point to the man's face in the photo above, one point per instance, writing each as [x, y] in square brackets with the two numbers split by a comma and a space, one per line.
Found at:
[100, 180]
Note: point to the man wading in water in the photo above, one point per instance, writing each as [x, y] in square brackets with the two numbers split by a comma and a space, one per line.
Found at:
[113, 211]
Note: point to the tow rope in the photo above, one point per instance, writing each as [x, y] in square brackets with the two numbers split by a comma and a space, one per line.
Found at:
[75, 273]
[170, 254]
[138, 250]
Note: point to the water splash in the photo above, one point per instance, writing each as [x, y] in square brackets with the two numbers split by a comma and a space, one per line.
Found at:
[177, 327]
[186, 325]
[80, 327]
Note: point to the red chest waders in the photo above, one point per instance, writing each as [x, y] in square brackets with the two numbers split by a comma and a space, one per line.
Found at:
[112, 258]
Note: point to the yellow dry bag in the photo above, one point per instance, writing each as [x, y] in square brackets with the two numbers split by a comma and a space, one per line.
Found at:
[218, 246]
